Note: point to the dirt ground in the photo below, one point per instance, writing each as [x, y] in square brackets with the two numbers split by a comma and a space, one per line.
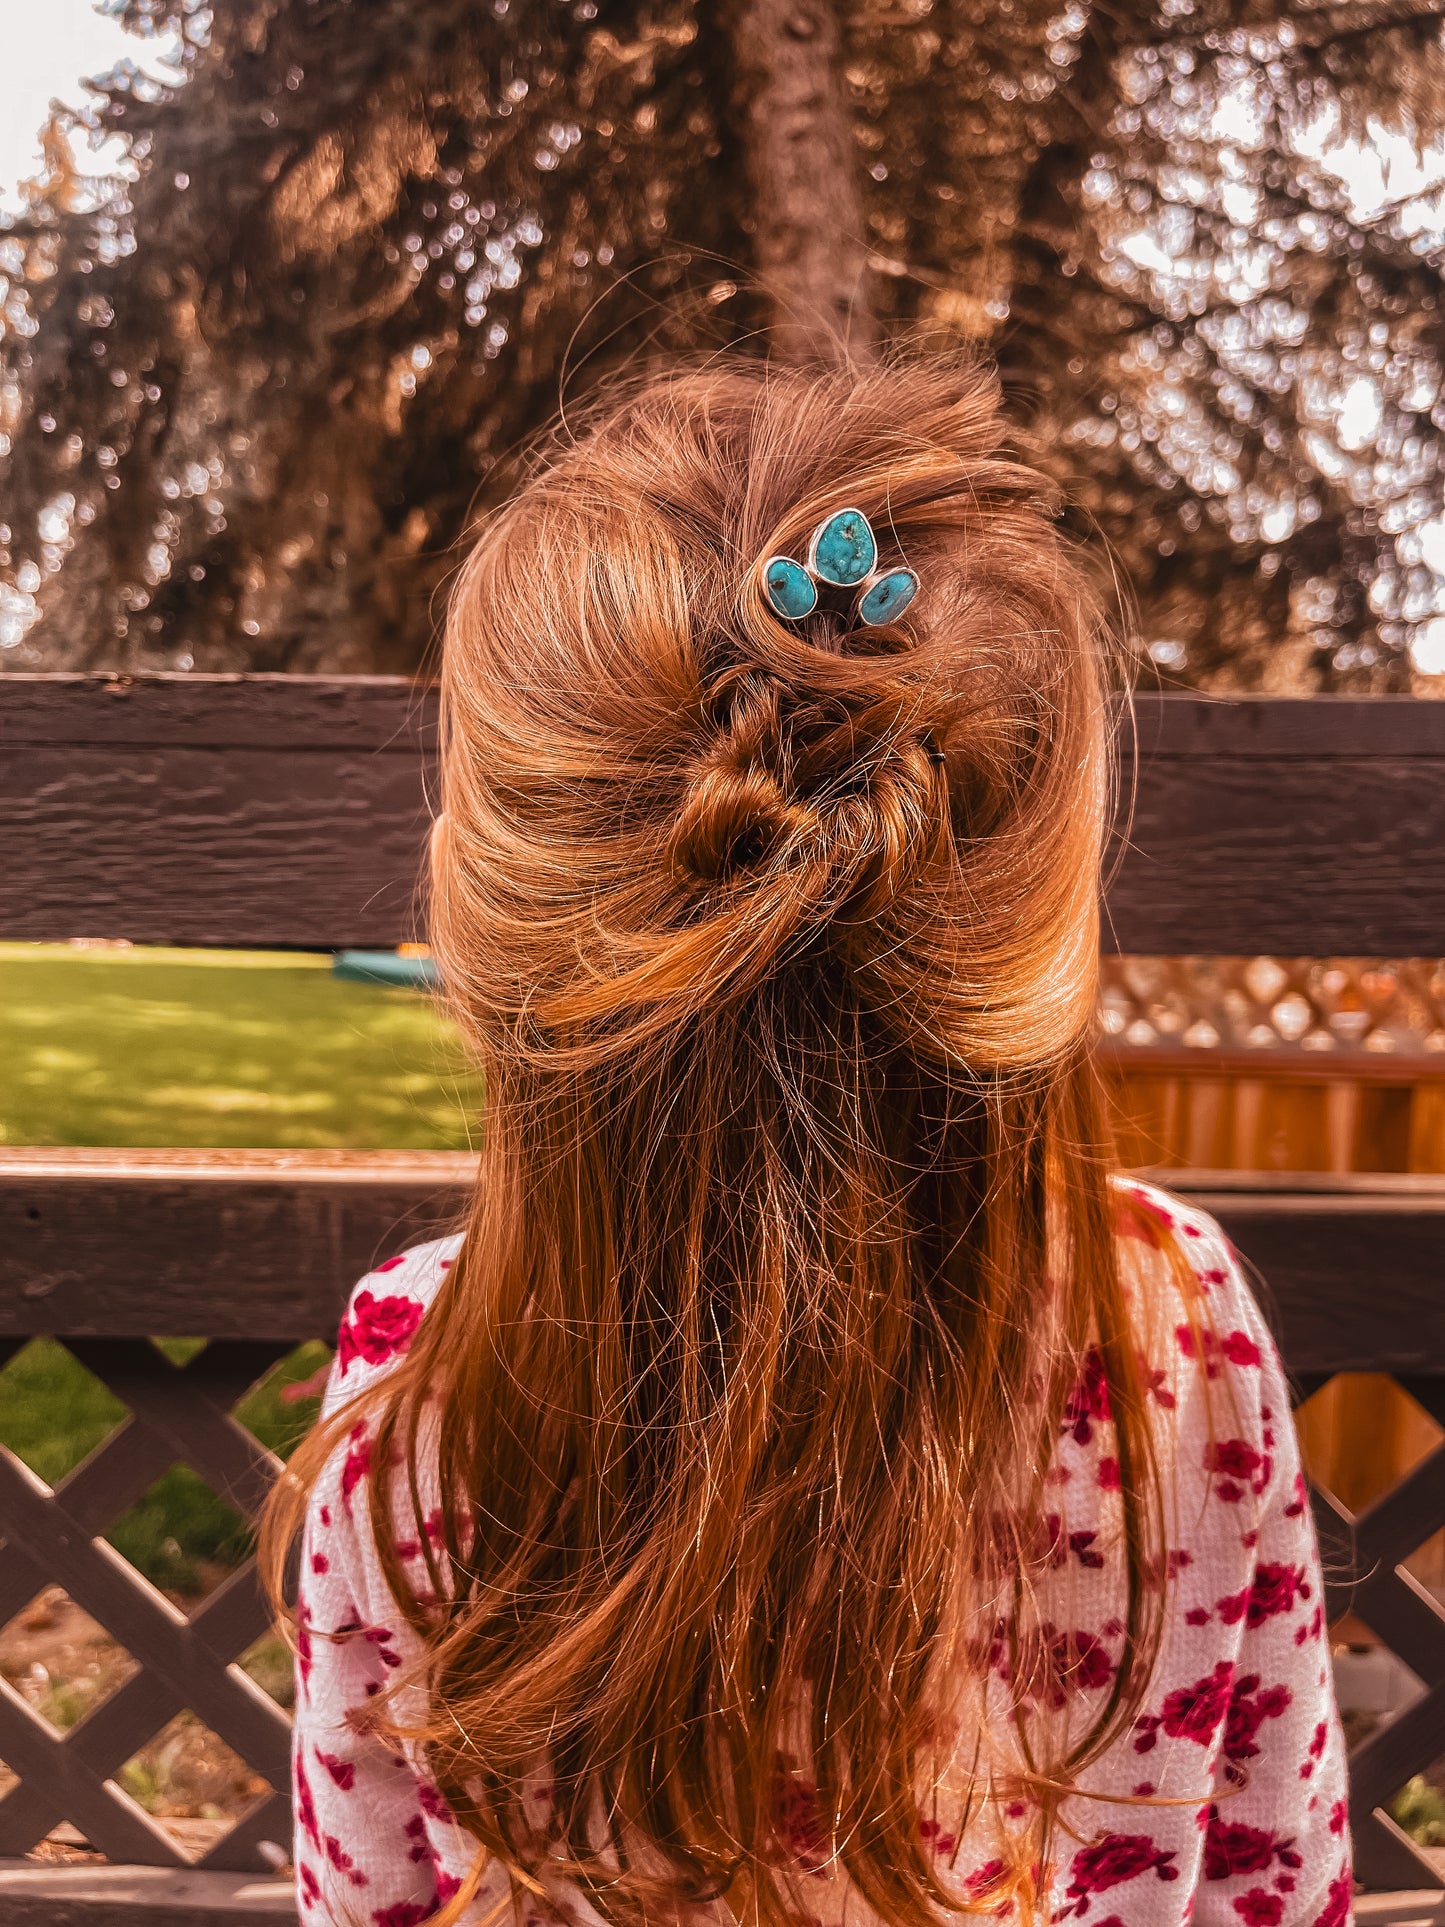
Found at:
[62, 1664]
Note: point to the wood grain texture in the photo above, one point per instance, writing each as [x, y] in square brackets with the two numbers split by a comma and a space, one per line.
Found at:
[1335, 854]
[328, 713]
[111, 1244]
[291, 811]
[122, 1244]
[264, 811]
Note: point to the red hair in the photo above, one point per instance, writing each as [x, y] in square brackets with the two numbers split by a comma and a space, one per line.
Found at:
[777, 946]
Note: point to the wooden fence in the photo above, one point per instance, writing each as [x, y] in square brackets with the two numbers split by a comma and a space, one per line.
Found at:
[271, 811]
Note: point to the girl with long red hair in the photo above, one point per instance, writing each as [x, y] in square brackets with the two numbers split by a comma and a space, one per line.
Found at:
[814, 1486]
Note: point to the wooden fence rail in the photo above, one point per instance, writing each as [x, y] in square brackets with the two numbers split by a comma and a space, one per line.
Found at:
[272, 811]
[289, 811]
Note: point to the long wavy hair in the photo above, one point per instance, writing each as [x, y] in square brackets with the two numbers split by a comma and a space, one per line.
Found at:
[777, 946]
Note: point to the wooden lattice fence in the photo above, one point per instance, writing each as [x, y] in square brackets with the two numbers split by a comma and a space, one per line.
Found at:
[267, 811]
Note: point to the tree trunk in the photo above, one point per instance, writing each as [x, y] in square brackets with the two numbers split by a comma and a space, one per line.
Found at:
[809, 244]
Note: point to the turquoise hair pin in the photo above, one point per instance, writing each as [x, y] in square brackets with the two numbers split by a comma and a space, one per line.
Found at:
[842, 554]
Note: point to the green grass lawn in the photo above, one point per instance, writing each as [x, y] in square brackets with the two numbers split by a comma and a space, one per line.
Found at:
[158, 1047]
[178, 1047]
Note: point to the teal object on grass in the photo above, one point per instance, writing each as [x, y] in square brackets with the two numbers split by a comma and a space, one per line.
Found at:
[888, 597]
[385, 967]
[842, 551]
[789, 588]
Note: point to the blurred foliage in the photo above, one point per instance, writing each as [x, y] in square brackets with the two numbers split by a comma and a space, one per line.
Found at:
[1420, 1810]
[250, 396]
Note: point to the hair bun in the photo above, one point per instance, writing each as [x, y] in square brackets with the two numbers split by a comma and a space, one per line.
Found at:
[840, 797]
[661, 793]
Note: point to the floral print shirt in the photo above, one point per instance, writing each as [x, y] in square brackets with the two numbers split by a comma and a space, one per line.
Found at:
[1224, 1803]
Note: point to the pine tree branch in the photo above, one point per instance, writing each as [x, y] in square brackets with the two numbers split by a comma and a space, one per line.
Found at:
[801, 161]
[1311, 30]
[1328, 27]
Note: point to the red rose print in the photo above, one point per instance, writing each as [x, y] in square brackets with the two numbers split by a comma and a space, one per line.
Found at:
[1115, 1858]
[1273, 1590]
[992, 1874]
[377, 1329]
[1155, 1381]
[356, 1464]
[343, 1772]
[797, 1820]
[1336, 1910]
[943, 1844]
[1270, 1614]
[1248, 1710]
[305, 1804]
[1231, 1847]
[1088, 1402]
[1201, 1345]
[1140, 1217]
[1235, 1348]
[1259, 1908]
[1236, 1458]
[343, 1862]
[1073, 1662]
[1194, 1712]
[433, 1803]
[391, 1264]
[381, 1638]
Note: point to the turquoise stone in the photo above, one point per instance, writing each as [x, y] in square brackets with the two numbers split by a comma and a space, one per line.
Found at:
[842, 550]
[889, 596]
[789, 588]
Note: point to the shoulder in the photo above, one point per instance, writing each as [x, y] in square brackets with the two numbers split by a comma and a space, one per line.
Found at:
[385, 1309]
[1204, 1273]
[1198, 1320]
